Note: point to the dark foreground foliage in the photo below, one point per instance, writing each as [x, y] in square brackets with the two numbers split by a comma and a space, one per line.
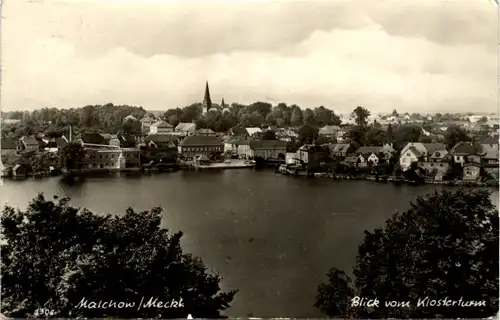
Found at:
[445, 246]
[53, 255]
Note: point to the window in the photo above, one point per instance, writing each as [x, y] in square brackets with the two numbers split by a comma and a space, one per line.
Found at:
[408, 154]
[440, 164]
[432, 164]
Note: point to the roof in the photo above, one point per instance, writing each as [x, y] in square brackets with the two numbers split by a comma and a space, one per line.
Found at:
[162, 124]
[439, 154]
[329, 130]
[107, 136]
[61, 142]
[29, 141]
[241, 142]
[466, 148]
[161, 138]
[203, 158]
[370, 150]
[312, 148]
[8, 144]
[205, 130]
[147, 119]
[253, 130]
[186, 126]
[201, 141]
[340, 147]
[431, 147]
[130, 117]
[93, 138]
[491, 151]
[267, 144]
[351, 159]
[415, 151]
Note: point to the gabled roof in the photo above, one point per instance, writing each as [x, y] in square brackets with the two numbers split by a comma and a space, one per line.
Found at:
[267, 144]
[195, 141]
[364, 150]
[466, 148]
[30, 141]
[8, 144]
[147, 119]
[186, 126]
[93, 138]
[253, 130]
[205, 130]
[162, 124]
[312, 148]
[415, 151]
[431, 147]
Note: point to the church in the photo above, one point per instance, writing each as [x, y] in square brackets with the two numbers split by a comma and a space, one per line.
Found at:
[207, 102]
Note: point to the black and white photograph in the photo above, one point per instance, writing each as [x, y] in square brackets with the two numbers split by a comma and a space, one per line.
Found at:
[251, 159]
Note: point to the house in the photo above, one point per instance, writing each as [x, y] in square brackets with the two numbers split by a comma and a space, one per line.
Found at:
[463, 149]
[341, 150]
[28, 143]
[312, 155]
[286, 135]
[186, 128]
[19, 171]
[239, 131]
[243, 149]
[409, 156]
[439, 156]
[161, 141]
[107, 137]
[194, 146]
[98, 158]
[352, 161]
[329, 132]
[146, 124]
[160, 127]
[490, 158]
[8, 147]
[205, 132]
[268, 149]
[372, 154]
[114, 140]
[132, 157]
[471, 171]
[424, 150]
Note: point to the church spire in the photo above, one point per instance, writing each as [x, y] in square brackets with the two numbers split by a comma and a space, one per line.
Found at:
[223, 105]
[207, 102]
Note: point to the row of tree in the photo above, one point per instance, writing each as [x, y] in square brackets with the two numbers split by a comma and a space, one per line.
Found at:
[54, 255]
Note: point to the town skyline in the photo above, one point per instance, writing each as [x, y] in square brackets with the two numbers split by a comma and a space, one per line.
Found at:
[422, 57]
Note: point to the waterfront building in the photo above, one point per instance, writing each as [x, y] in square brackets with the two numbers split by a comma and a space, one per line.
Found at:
[268, 149]
[96, 158]
[194, 146]
[146, 124]
[341, 150]
[415, 151]
[243, 149]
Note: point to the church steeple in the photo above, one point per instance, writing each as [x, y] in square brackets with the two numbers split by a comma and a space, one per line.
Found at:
[207, 102]
[222, 105]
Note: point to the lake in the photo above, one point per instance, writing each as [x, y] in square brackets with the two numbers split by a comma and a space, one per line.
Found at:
[272, 237]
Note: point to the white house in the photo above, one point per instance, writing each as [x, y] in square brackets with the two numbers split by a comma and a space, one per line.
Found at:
[253, 130]
[410, 155]
[160, 127]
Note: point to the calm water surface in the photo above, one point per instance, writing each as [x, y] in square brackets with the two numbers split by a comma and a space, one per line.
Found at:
[272, 237]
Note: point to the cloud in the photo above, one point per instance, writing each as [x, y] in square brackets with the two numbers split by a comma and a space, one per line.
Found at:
[341, 55]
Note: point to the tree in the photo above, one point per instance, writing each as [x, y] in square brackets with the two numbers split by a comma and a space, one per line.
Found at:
[309, 117]
[453, 135]
[406, 133]
[269, 135]
[361, 115]
[325, 117]
[297, 117]
[72, 155]
[445, 245]
[376, 137]
[395, 113]
[271, 119]
[54, 255]
[307, 134]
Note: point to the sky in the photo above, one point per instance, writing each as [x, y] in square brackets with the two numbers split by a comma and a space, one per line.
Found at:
[410, 55]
